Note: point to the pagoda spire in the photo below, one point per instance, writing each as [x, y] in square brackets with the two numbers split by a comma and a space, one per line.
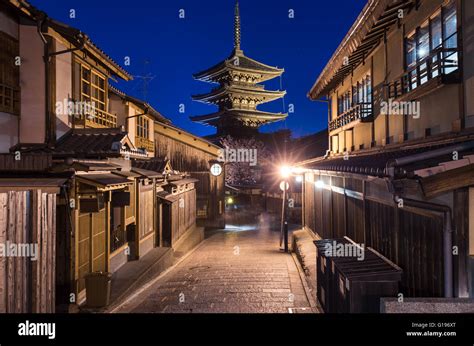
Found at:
[239, 92]
[237, 26]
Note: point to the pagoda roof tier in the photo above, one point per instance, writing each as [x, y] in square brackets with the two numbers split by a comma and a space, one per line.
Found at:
[250, 92]
[243, 114]
[237, 62]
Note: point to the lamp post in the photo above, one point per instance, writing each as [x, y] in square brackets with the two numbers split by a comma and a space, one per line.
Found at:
[285, 172]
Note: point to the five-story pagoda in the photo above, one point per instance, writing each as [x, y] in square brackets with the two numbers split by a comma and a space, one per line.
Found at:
[239, 92]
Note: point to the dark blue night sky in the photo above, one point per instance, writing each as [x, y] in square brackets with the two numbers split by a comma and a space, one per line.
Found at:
[176, 48]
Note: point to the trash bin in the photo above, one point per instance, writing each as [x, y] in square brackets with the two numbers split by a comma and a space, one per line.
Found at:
[346, 284]
[98, 289]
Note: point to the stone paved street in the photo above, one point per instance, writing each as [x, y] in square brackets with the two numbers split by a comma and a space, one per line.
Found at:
[239, 269]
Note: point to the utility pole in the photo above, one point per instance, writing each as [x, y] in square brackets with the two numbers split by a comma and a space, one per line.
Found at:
[285, 172]
[146, 78]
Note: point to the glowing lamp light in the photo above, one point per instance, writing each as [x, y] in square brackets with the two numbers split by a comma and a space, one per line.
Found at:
[230, 200]
[216, 169]
[319, 184]
[284, 185]
[285, 171]
[299, 179]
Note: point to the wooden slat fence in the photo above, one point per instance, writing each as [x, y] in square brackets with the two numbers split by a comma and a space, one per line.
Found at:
[28, 219]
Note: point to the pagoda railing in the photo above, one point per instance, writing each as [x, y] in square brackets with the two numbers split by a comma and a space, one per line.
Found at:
[242, 84]
[360, 111]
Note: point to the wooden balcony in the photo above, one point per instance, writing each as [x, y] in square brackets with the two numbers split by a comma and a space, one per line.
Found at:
[361, 111]
[441, 67]
[96, 119]
[145, 143]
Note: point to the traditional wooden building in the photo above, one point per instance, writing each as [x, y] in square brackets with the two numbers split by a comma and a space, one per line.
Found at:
[399, 173]
[73, 155]
[195, 155]
[239, 92]
[177, 148]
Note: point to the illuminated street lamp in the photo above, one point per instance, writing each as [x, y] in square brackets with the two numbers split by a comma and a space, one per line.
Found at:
[285, 171]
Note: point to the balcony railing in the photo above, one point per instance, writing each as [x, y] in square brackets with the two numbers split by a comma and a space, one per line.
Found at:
[97, 118]
[360, 111]
[441, 62]
[9, 99]
[145, 143]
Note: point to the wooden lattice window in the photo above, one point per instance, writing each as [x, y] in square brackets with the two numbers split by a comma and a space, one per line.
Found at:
[93, 88]
[142, 127]
[9, 75]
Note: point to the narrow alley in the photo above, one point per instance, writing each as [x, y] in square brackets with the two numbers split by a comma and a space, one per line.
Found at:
[238, 269]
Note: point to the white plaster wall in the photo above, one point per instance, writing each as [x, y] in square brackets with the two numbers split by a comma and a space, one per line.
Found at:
[32, 83]
[63, 89]
[118, 107]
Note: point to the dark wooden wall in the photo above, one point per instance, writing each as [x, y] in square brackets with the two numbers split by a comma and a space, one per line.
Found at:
[183, 157]
[412, 240]
[178, 217]
[146, 211]
[186, 158]
[26, 162]
[28, 217]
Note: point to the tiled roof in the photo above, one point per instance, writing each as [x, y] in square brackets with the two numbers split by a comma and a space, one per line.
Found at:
[376, 163]
[155, 164]
[147, 173]
[248, 113]
[244, 62]
[248, 63]
[104, 179]
[90, 143]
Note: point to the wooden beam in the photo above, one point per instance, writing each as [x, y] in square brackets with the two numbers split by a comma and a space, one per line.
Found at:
[447, 181]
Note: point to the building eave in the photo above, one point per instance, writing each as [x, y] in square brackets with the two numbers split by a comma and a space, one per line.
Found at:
[70, 34]
[274, 94]
[267, 116]
[229, 65]
[185, 137]
[376, 18]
